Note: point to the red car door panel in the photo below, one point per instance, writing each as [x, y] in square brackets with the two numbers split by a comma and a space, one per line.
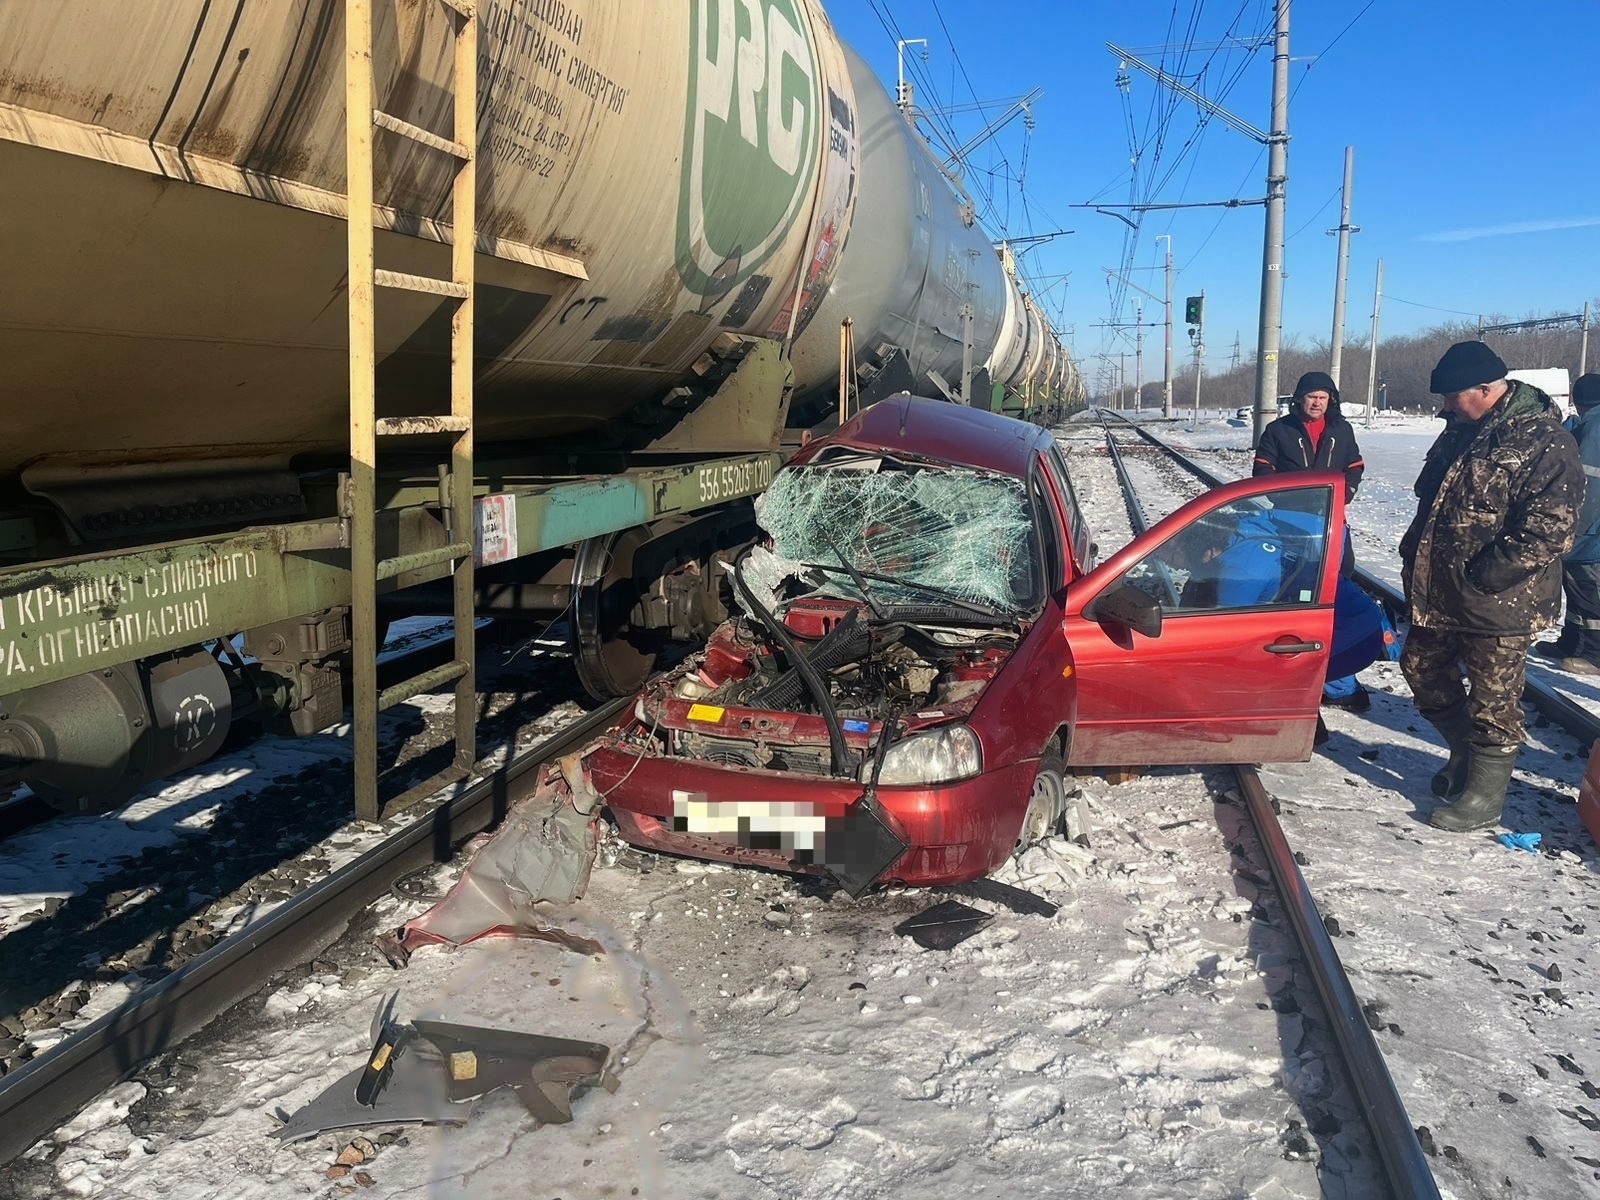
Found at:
[1245, 578]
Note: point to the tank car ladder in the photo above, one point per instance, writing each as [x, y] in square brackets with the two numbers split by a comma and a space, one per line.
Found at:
[367, 570]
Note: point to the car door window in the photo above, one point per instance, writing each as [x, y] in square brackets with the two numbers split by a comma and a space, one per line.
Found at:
[1263, 551]
[1077, 527]
[1048, 532]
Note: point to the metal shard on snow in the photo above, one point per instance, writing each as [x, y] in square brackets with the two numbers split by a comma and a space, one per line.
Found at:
[945, 925]
[430, 1071]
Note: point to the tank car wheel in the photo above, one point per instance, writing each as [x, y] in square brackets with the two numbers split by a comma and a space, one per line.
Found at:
[1047, 802]
[613, 659]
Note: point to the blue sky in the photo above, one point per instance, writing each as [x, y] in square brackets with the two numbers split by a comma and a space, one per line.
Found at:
[1473, 121]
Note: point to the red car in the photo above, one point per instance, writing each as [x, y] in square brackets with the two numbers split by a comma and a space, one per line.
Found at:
[926, 646]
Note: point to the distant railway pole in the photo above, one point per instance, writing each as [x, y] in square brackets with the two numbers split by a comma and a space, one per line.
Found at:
[1344, 231]
[1166, 384]
[1372, 363]
[1166, 389]
[1138, 354]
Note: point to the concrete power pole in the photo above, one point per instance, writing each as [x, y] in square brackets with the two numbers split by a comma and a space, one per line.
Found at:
[1344, 231]
[1138, 355]
[1372, 364]
[1167, 384]
[1272, 250]
[1583, 345]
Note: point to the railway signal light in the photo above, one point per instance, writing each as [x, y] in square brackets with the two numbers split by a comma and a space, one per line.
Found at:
[1193, 309]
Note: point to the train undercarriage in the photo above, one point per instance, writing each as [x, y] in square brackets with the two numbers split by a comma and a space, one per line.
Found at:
[127, 662]
[135, 654]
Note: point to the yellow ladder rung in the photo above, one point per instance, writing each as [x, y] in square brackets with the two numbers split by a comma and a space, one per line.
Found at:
[417, 426]
[418, 134]
[417, 684]
[388, 568]
[421, 283]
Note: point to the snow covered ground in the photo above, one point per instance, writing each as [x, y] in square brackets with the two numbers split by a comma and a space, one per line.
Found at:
[1148, 1040]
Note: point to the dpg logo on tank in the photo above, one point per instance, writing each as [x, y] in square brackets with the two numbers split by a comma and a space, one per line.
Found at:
[750, 141]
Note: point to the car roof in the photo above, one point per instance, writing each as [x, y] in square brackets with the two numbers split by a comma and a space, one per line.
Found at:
[937, 429]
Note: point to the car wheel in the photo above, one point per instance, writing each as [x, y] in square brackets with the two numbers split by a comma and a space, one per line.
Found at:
[1047, 802]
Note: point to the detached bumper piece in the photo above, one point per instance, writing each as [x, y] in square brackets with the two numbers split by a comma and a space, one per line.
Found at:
[429, 1072]
[866, 845]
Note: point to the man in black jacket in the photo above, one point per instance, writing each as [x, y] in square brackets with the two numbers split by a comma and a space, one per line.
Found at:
[1316, 437]
[1497, 507]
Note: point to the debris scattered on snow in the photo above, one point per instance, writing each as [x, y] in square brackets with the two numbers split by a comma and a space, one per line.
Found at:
[943, 927]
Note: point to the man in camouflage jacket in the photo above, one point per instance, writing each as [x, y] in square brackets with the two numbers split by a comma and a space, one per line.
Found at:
[1498, 500]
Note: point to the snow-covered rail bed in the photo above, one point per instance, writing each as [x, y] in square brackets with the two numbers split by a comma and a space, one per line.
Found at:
[1474, 960]
[95, 908]
[776, 1041]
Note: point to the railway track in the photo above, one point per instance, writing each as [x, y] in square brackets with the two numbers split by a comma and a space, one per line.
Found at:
[136, 1034]
[36, 1097]
[1404, 1161]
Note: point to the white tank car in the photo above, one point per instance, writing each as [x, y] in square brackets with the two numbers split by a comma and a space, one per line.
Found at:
[651, 175]
[915, 256]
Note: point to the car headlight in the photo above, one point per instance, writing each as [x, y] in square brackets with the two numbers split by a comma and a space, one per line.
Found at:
[938, 756]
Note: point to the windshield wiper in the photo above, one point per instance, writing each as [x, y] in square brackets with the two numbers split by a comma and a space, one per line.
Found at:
[858, 575]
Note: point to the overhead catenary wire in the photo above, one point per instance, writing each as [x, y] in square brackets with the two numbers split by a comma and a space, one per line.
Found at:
[1194, 256]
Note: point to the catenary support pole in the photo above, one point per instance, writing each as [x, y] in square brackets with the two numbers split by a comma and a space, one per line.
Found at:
[1344, 231]
[1166, 379]
[1200, 359]
[1583, 342]
[1138, 355]
[1372, 362]
[1272, 251]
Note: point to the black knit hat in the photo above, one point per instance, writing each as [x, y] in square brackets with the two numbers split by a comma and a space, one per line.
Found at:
[1586, 391]
[1317, 381]
[1466, 365]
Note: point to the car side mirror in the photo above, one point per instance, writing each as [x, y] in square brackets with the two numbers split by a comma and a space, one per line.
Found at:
[1126, 608]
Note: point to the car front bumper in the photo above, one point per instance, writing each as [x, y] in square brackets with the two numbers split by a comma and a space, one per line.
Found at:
[807, 824]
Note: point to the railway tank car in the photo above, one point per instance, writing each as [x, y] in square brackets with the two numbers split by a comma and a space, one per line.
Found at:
[663, 190]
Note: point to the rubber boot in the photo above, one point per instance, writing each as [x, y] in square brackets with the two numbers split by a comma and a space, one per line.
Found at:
[1563, 647]
[1455, 727]
[1488, 776]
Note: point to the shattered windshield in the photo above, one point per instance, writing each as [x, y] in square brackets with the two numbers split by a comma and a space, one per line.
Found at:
[963, 533]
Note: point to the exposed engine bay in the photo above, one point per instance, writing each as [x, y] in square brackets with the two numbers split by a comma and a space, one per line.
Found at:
[872, 675]
[888, 595]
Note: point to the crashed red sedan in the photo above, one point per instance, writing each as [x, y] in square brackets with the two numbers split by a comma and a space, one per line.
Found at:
[926, 646]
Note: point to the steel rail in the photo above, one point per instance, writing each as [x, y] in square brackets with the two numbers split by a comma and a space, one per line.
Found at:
[1404, 1162]
[38, 1096]
[1405, 1165]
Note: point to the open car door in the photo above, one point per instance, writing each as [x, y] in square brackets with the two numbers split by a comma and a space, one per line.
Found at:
[1207, 638]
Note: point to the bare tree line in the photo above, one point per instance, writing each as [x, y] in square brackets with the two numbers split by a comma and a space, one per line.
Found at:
[1404, 363]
